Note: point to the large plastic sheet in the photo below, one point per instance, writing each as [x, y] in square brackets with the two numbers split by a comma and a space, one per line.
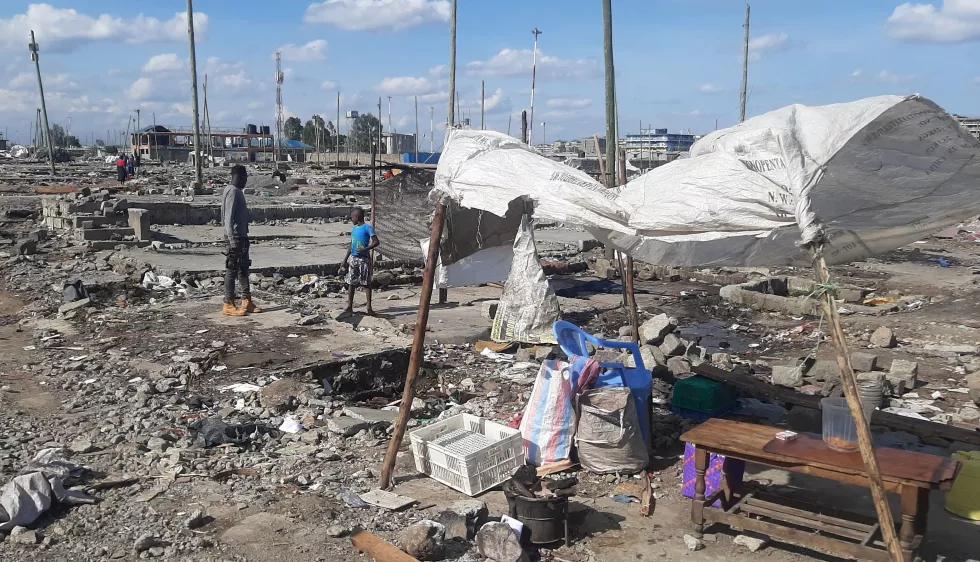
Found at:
[862, 178]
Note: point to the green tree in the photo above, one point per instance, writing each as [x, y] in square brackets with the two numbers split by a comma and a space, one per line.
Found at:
[292, 129]
[365, 132]
[310, 132]
[60, 137]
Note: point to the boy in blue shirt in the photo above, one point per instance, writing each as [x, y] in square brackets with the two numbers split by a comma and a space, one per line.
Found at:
[358, 259]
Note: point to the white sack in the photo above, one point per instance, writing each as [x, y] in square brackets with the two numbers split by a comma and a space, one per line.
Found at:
[528, 307]
[36, 489]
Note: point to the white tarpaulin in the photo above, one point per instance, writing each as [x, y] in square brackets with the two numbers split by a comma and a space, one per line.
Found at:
[865, 177]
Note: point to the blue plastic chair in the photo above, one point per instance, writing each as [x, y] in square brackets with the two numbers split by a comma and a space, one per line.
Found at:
[639, 380]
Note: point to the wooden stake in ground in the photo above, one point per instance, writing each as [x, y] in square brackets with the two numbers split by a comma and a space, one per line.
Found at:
[418, 348]
[849, 382]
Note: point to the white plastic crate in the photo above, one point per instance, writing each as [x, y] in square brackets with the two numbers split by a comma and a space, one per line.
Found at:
[468, 453]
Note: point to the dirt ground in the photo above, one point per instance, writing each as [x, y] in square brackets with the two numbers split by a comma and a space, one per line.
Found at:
[67, 379]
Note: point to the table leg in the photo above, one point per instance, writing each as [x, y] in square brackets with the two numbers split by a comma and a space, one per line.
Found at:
[915, 505]
[697, 506]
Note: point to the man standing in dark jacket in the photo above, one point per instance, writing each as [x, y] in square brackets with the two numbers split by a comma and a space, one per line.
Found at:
[234, 219]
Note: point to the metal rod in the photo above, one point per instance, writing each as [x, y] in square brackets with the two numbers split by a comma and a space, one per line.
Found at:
[509, 117]
[375, 156]
[418, 345]
[416, 129]
[198, 173]
[483, 102]
[745, 67]
[849, 382]
[44, 109]
[534, 75]
[451, 117]
[611, 140]
[524, 126]
[432, 128]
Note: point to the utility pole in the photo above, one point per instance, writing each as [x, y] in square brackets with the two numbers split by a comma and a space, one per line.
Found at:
[390, 130]
[337, 126]
[451, 117]
[140, 134]
[611, 140]
[432, 123]
[277, 153]
[416, 129]
[534, 73]
[483, 102]
[198, 173]
[509, 117]
[745, 67]
[44, 110]
[544, 132]
[155, 135]
[524, 127]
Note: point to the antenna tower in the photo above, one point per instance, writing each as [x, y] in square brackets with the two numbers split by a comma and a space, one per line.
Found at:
[279, 123]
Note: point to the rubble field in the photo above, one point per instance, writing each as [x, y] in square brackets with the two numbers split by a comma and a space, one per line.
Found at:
[195, 436]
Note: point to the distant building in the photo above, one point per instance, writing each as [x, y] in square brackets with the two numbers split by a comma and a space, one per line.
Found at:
[398, 143]
[972, 124]
[657, 140]
[3, 143]
[249, 144]
[589, 146]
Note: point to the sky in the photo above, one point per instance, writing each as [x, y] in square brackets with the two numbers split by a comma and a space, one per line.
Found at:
[678, 62]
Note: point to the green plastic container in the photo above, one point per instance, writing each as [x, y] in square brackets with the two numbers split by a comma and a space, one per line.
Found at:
[701, 394]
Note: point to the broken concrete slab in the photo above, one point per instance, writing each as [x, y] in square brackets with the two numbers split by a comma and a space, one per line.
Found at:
[863, 362]
[784, 375]
[883, 337]
[370, 415]
[345, 426]
[824, 370]
[68, 307]
[655, 329]
[973, 386]
[672, 345]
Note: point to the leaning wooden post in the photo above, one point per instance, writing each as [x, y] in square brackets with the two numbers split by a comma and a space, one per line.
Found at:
[418, 347]
[849, 382]
[627, 275]
[378, 548]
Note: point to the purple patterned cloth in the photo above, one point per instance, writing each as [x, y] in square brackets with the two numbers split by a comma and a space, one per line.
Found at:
[717, 466]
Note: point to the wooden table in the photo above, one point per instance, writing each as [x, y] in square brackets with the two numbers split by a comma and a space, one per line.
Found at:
[913, 475]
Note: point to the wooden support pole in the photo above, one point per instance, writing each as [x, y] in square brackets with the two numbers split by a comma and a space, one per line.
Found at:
[627, 275]
[849, 382]
[418, 347]
[379, 549]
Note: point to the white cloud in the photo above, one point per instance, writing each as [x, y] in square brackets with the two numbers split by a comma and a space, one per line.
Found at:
[890, 78]
[695, 113]
[167, 62]
[140, 89]
[255, 105]
[28, 81]
[514, 62]
[184, 109]
[361, 15]
[405, 85]
[954, 21]
[329, 85]
[710, 89]
[769, 43]
[494, 100]
[566, 103]
[439, 71]
[16, 101]
[233, 81]
[402, 122]
[63, 29]
[313, 51]
[856, 73]
[434, 97]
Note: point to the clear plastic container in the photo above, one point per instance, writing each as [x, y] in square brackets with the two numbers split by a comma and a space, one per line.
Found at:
[839, 428]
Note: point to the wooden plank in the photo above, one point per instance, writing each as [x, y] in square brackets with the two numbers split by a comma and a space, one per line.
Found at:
[840, 519]
[738, 504]
[805, 539]
[919, 428]
[755, 508]
[748, 441]
[908, 465]
[871, 534]
[788, 505]
[377, 548]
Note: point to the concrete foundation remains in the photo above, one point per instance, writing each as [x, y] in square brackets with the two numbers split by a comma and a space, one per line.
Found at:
[790, 295]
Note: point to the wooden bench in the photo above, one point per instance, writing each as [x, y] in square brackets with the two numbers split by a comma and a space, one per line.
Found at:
[913, 475]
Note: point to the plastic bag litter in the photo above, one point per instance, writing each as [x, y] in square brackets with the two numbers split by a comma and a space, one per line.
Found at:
[212, 431]
[290, 425]
[153, 281]
[37, 488]
[352, 499]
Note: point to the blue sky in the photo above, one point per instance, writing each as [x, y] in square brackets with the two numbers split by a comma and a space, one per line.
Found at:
[678, 62]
